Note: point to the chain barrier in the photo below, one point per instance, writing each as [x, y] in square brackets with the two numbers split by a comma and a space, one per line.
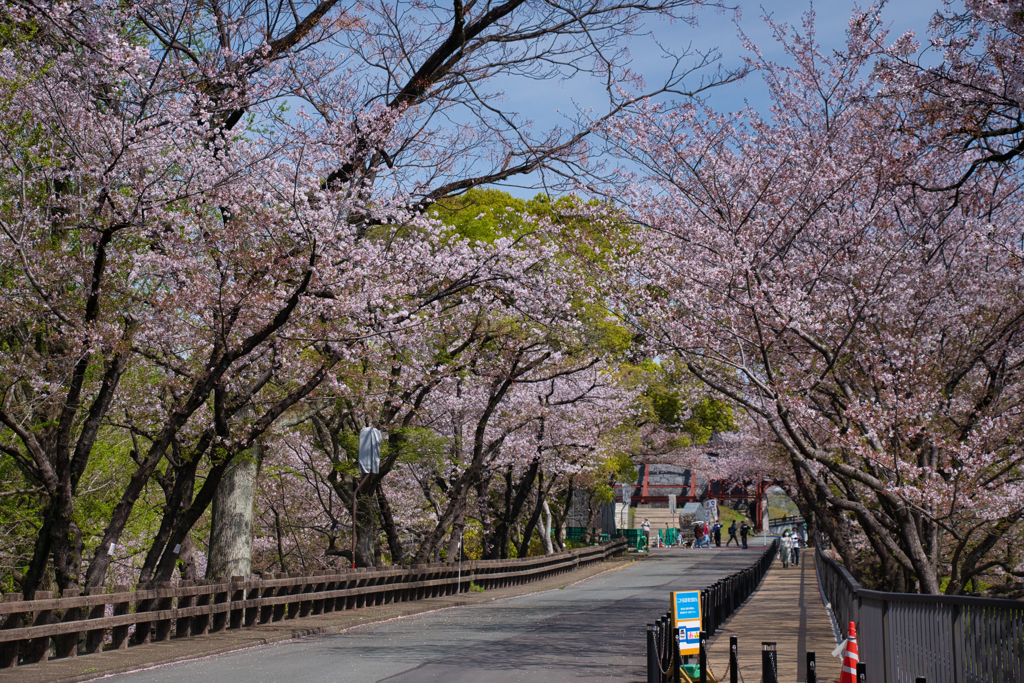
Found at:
[659, 647]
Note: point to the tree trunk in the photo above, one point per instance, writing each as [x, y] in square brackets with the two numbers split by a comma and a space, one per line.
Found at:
[452, 552]
[559, 519]
[516, 495]
[367, 541]
[40, 557]
[545, 532]
[187, 560]
[178, 483]
[230, 551]
[524, 547]
[388, 518]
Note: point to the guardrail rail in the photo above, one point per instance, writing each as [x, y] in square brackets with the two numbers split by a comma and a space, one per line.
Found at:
[33, 631]
[943, 638]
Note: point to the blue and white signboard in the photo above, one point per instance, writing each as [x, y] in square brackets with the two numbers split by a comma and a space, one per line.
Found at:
[686, 617]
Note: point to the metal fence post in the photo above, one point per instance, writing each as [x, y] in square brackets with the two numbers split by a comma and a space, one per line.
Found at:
[666, 644]
[702, 659]
[734, 663]
[769, 663]
[957, 635]
[653, 670]
[675, 678]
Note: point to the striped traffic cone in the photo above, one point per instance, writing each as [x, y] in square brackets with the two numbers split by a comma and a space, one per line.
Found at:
[850, 658]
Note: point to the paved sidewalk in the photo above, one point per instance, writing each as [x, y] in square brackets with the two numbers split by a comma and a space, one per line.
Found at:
[91, 667]
[787, 610]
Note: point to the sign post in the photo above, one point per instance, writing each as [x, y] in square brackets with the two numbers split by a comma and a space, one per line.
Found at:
[686, 617]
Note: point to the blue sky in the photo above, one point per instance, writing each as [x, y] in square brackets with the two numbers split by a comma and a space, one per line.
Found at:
[546, 103]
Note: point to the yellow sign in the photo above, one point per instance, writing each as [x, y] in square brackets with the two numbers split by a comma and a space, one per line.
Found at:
[686, 616]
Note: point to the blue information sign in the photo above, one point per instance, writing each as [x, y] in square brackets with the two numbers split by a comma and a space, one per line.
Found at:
[687, 605]
[686, 617]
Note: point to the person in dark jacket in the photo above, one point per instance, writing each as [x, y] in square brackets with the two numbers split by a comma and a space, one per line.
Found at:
[732, 535]
[744, 530]
[716, 531]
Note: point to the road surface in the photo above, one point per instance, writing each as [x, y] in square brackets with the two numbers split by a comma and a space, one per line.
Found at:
[593, 631]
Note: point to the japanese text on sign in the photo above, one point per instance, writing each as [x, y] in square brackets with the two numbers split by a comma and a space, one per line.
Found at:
[686, 617]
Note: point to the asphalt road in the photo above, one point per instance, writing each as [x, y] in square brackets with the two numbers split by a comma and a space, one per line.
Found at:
[593, 631]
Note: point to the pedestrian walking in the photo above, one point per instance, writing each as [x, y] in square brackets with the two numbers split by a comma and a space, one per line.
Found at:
[796, 549]
[732, 535]
[716, 531]
[786, 549]
[706, 535]
[646, 528]
[696, 534]
[744, 530]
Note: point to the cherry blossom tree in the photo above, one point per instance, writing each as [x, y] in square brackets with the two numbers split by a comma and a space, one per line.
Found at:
[961, 90]
[206, 206]
[802, 267]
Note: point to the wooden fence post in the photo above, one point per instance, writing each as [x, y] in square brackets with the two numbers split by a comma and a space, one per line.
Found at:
[183, 625]
[38, 649]
[306, 606]
[331, 585]
[201, 622]
[94, 637]
[67, 645]
[9, 651]
[252, 614]
[281, 609]
[295, 589]
[237, 595]
[267, 611]
[164, 602]
[220, 596]
[119, 634]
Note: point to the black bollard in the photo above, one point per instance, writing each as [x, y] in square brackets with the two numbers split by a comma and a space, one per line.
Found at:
[862, 672]
[675, 678]
[769, 663]
[663, 629]
[702, 658]
[653, 670]
[920, 679]
[734, 662]
[669, 635]
[812, 670]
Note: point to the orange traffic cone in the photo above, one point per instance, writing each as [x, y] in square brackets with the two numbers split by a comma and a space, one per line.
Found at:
[850, 658]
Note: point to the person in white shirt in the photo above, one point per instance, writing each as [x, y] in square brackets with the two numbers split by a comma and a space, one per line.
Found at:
[786, 549]
[646, 527]
[796, 549]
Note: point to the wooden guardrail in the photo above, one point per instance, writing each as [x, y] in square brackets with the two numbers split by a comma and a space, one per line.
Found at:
[34, 631]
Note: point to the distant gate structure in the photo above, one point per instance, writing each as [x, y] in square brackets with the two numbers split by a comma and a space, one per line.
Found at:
[657, 481]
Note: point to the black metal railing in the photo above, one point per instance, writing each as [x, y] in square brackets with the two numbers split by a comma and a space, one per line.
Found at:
[717, 603]
[902, 637]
